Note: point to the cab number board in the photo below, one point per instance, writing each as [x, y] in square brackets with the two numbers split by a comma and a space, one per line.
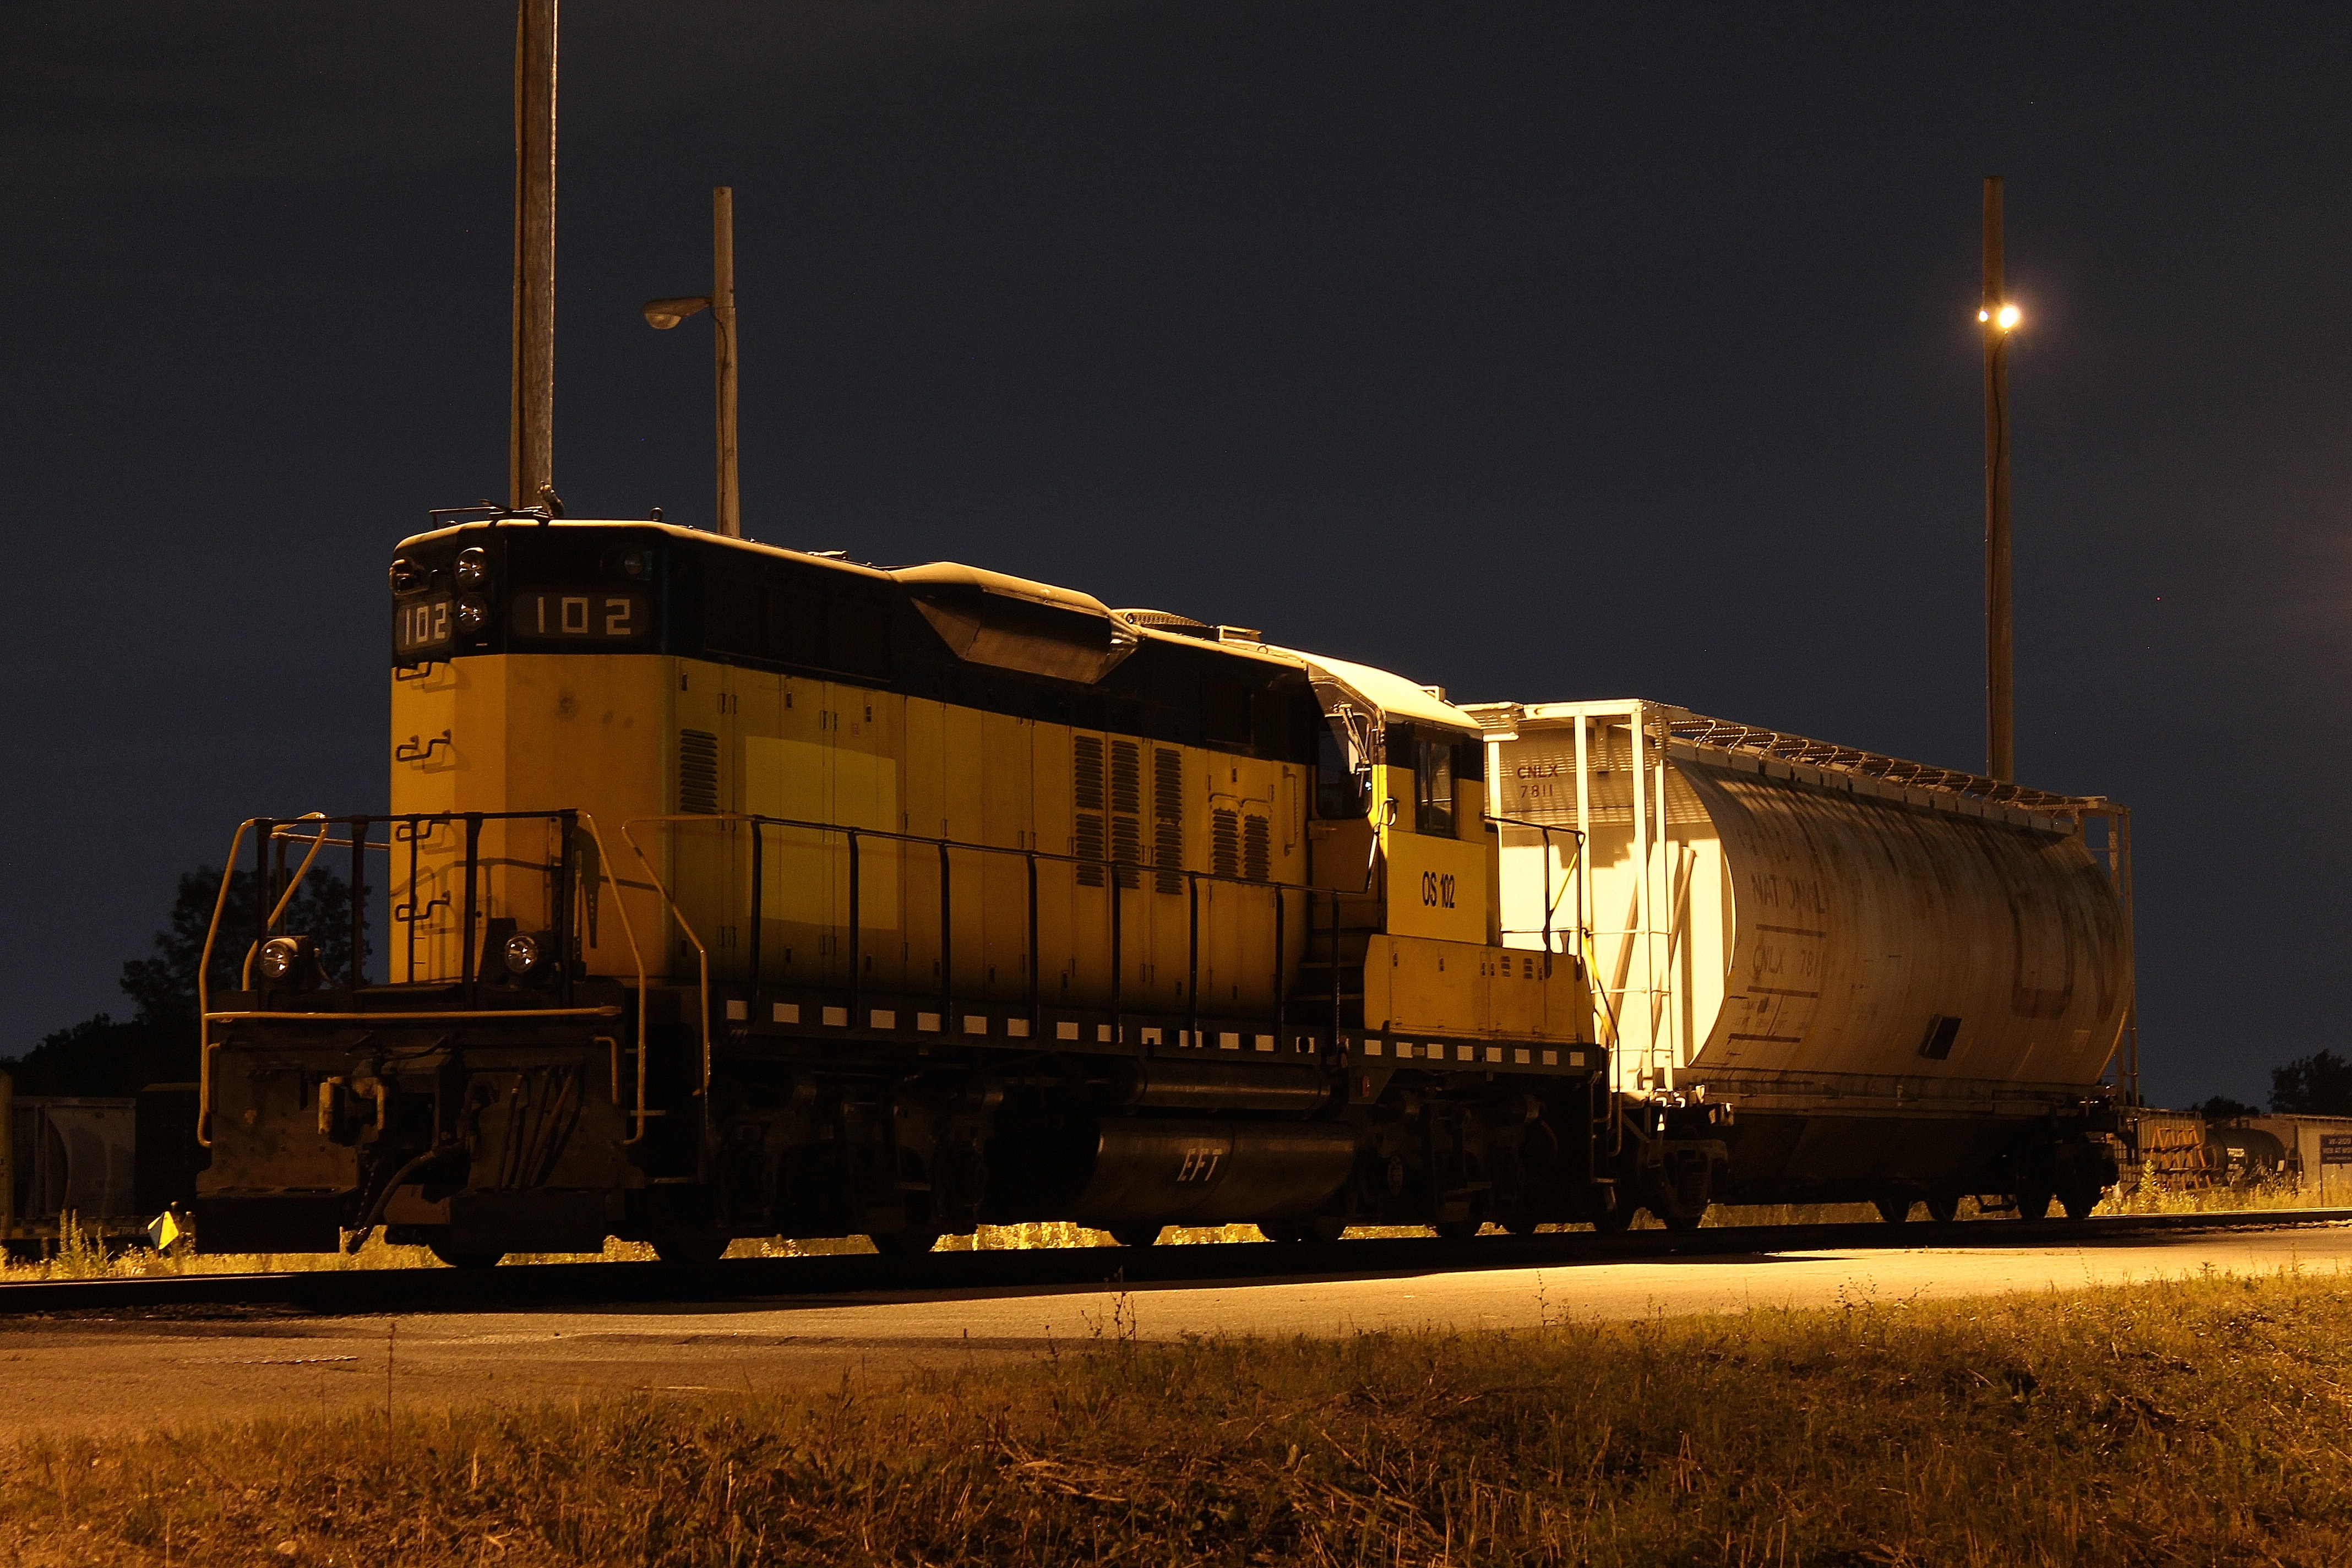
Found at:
[421, 626]
[579, 615]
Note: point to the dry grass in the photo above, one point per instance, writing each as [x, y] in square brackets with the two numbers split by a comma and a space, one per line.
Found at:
[2206, 1420]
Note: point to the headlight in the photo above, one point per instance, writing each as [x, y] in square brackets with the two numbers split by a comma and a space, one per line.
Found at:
[283, 957]
[635, 563]
[408, 577]
[473, 567]
[473, 615]
[521, 953]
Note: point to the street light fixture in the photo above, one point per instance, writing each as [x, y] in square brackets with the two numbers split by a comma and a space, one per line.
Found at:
[663, 314]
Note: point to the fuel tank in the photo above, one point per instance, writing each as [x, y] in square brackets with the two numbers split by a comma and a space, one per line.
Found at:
[1785, 920]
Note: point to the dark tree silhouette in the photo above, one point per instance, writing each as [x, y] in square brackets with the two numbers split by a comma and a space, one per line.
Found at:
[2318, 1085]
[164, 985]
[104, 1056]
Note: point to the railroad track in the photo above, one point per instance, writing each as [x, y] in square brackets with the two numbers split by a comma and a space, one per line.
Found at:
[788, 1280]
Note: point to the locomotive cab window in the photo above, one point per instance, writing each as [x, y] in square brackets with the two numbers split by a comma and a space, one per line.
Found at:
[1343, 776]
[1432, 773]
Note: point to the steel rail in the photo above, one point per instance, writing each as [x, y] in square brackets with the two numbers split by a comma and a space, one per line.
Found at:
[792, 1281]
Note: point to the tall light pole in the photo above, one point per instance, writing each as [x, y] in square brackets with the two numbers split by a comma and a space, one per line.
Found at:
[663, 314]
[1999, 317]
[531, 444]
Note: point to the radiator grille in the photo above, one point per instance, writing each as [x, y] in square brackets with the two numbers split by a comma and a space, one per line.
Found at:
[1168, 818]
[1087, 793]
[1126, 849]
[1126, 778]
[1258, 852]
[698, 772]
[1226, 843]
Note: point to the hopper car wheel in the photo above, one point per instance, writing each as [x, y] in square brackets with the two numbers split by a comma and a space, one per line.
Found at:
[905, 1243]
[2033, 1205]
[1681, 1221]
[1944, 1208]
[1316, 1229]
[1892, 1208]
[458, 1258]
[1613, 1221]
[1522, 1226]
[1458, 1229]
[683, 1249]
[2079, 1200]
[1137, 1235]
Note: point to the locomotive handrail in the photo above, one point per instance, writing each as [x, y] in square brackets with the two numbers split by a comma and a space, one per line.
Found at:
[608, 1010]
[273, 830]
[204, 995]
[1117, 872]
[317, 842]
[702, 953]
[1548, 830]
[636, 956]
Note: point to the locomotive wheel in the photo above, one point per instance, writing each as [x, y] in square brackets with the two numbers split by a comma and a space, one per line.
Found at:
[1613, 1221]
[1318, 1228]
[1135, 1234]
[2033, 1205]
[455, 1258]
[1944, 1208]
[1458, 1229]
[690, 1249]
[1681, 1221]
[905, 1243]
[1893, 1209]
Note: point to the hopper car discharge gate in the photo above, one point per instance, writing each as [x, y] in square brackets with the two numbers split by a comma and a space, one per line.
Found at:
[464, 1112]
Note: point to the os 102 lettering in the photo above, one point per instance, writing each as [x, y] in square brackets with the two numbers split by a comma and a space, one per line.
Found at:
[1438, 890]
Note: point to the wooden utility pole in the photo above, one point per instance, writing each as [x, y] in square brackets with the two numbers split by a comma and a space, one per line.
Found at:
[2001, 719]
[531, 447]
[722, 317]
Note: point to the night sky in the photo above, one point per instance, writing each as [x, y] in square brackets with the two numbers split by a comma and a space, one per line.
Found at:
[1542, 351]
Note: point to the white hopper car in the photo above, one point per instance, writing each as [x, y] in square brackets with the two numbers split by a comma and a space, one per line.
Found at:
[1903, 984]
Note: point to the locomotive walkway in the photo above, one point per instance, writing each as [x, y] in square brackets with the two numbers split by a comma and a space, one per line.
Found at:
[779, 1280]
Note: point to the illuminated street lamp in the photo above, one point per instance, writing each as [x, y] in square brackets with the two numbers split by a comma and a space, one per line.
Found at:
[663, 314]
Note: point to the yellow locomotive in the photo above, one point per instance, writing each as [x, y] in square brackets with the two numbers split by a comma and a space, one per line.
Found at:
[733, 890]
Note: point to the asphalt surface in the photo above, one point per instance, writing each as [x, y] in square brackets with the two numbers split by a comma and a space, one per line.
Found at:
[99, 1371]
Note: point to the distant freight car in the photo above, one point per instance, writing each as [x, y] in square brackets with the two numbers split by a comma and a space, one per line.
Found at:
[1906, 983]
[103, 1165]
